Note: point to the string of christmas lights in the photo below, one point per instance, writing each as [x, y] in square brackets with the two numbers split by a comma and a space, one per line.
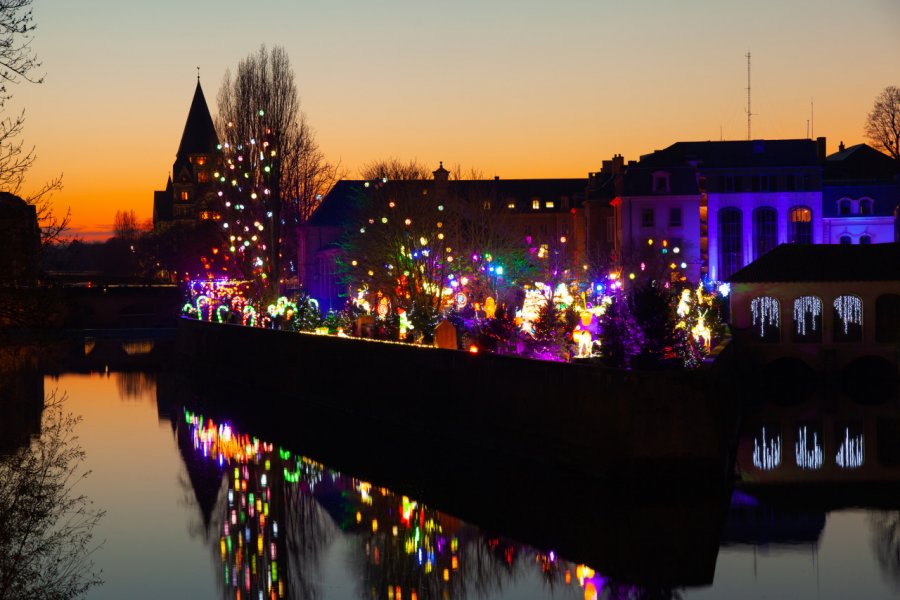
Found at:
[850, 453]
[766, 452]
[765, 313]
[807, 314]
[849, 309]
[808, 458]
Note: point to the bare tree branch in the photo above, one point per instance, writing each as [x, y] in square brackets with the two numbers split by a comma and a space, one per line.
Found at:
[883, 123]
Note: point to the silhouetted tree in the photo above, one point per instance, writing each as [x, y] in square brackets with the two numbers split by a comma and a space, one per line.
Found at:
[883, 123]
[394, 169]
[46, 527]
[18, 63]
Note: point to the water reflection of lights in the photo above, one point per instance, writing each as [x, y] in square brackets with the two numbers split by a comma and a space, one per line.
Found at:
[850, 454]
[398, 536]
[808, 458]
[767, 451]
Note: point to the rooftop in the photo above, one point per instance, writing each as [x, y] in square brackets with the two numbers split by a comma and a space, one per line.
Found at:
[824, 262]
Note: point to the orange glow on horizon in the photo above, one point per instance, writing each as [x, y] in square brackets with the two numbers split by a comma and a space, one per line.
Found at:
[513, 93]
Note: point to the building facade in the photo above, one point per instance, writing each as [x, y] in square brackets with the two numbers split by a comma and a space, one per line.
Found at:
[723, 204]
[861, 196]
[826, 306]
[20, 259]
[548, 214]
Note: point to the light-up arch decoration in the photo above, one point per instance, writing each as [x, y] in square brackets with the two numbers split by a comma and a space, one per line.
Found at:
[766, 317]
[767, 450]
[848, 315]
[851, 452]
[808, 318]
[808, 448]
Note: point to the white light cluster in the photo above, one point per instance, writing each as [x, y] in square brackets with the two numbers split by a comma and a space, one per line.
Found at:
[765, 312]
[849, 309]
[808, 458]
[806, 305]
[850, 454]
[767, 455]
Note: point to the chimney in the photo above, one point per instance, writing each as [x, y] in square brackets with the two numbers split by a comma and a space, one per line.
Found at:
[841, 146]
[820, 147]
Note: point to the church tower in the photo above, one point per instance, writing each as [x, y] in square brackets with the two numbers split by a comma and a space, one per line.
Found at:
[189, 195]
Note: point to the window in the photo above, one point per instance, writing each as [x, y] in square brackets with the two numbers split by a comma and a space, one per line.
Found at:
[184, 196]
[647, 218]
[844, 207]
[535, 204]
[675, 216]
[549, 204]
[511, 205]
[800, 225]
[727, 183]
[730, 242]
[487, 205]
[848, 319]
[845, 240]
[808, 319]
[765, 230]
[865, 206]
[887, 318]
[865, 239]
[761, 183]
[661, 183]
[765, 313]
[790, 182]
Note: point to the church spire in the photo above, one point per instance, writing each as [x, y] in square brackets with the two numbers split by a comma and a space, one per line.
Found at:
[199, 135]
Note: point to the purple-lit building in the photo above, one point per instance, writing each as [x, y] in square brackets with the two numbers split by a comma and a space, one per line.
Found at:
[723, 204]
[861, 196]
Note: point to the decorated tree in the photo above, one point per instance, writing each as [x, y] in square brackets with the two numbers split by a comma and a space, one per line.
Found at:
[272, 172]
[250, 202]
[399, 251]
[623, 338]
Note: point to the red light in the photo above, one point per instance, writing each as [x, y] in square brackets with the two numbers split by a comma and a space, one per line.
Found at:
[473, 349]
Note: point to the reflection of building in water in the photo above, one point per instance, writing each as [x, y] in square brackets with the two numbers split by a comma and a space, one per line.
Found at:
[849, 443]
[267, 525]
[21, 396]
[760, 524]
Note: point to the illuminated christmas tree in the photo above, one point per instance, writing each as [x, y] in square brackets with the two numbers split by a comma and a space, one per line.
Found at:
[251, 210]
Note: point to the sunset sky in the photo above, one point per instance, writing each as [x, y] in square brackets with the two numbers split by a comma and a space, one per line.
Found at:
[515, 88]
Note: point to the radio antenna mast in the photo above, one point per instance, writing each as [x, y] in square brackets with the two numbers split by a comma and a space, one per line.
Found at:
[749, 113]
[812, 119]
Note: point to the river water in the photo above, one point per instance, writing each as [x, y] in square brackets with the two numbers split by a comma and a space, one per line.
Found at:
[197, 508]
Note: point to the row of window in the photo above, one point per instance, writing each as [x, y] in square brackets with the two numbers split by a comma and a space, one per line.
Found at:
[744, 183]
[648, 217]
[763, 183]
[863, 239]
[765, 234]
[765, 312]
[863, 206]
